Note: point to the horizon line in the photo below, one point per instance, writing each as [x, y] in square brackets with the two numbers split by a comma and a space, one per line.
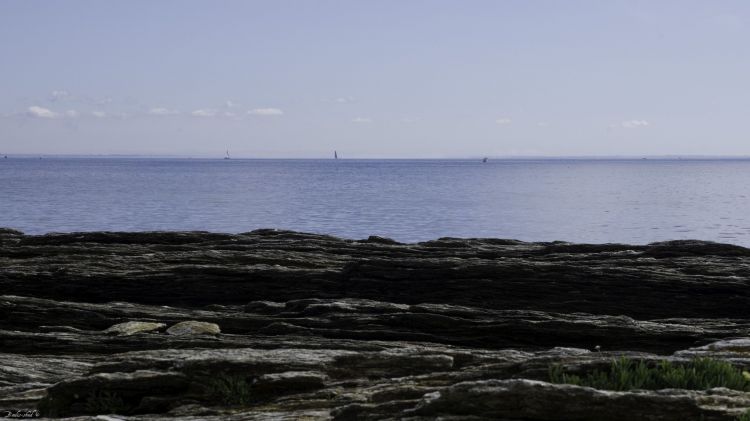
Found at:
[471, 157]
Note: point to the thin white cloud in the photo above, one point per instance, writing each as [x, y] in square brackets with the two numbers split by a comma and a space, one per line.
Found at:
[338, 100]
[542, 124]
[36, 111]
[266, 111]
[503, 121]
[231, 104]
[99, 114]
[59, 94]
[362, 120]
[205, 112]
[634, 124]
[41, 112]
[162, 111]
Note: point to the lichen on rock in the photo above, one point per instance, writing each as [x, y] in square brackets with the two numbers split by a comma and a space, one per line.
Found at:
[133, 327]
[192, 327]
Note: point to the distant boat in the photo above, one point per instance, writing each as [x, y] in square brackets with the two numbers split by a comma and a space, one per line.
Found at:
[227, 156]
[484, 159]
[335, 155]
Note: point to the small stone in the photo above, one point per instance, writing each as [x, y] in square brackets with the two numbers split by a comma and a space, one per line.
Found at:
[130, 328]
[192, 327]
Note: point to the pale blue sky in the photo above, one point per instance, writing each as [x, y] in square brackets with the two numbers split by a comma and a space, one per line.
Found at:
[373, 79]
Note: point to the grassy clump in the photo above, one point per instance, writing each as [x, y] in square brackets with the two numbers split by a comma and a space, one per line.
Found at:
[229, 390]
[627, 374]
[104, 402]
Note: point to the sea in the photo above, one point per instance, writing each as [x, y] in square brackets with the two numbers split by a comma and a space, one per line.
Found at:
[577, 200]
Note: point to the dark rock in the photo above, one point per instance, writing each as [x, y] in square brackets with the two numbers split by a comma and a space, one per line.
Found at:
[288, 382]
[662, 280]
[380, 240]
[534, 400]
[314, 327]
[124, 393]
[264, 307]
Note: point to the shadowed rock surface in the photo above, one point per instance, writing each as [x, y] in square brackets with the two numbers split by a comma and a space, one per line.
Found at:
[287, 325]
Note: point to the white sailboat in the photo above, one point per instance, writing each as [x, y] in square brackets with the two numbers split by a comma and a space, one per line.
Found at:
[227, 155]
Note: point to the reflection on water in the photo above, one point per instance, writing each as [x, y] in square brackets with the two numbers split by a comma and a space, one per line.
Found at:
[634, 201]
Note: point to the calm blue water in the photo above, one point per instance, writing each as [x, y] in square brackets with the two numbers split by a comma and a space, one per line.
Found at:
[633, 201]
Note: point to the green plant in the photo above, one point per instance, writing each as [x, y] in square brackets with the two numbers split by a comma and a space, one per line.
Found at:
[627, 374]
[744, 417]
[104, 402]
[229, 389]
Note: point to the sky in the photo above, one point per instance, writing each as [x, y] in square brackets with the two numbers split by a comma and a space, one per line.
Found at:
[375, 79]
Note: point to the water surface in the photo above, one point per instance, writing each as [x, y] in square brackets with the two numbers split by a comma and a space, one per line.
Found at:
[630, 201]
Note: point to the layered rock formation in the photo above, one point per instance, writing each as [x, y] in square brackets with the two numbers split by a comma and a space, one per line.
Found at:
[286, 325]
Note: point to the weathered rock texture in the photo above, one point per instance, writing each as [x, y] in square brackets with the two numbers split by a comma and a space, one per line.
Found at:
[286, 325]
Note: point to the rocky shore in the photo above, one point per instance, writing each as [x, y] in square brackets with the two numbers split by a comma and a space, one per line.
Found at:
[284, 325]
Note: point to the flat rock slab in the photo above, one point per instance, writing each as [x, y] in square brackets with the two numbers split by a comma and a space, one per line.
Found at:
[534, 400]
[686, 278]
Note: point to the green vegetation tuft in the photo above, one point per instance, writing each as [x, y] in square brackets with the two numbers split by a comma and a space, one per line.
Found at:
[627, 374]
[744, 417]
[230, 390]
[104, 402]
